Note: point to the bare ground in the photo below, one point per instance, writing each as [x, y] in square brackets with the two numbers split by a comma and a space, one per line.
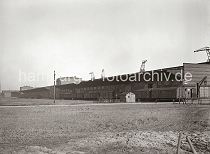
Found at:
[110, 129]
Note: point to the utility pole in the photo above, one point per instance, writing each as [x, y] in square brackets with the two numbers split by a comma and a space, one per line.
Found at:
[54, 88]
[0, 89]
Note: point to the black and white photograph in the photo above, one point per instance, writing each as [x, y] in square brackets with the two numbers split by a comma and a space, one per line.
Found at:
[104, 77]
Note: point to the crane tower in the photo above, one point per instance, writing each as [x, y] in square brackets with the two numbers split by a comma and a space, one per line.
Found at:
[92, 76]
[142, 69]
[102, 74]
[207, 49]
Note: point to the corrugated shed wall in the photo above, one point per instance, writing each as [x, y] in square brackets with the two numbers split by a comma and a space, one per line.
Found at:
[198, 71]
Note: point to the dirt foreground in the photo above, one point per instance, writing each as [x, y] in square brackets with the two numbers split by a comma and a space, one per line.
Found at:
[108, 129]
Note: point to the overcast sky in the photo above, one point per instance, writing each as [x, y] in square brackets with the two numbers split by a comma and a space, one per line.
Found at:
[76, 37]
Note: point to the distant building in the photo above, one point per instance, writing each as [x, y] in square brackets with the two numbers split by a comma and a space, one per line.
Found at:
[25, 88]
[10, 93]
[68, 80]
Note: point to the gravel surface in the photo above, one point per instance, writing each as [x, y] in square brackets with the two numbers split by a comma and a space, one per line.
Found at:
[30, 102]
[114, 128]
